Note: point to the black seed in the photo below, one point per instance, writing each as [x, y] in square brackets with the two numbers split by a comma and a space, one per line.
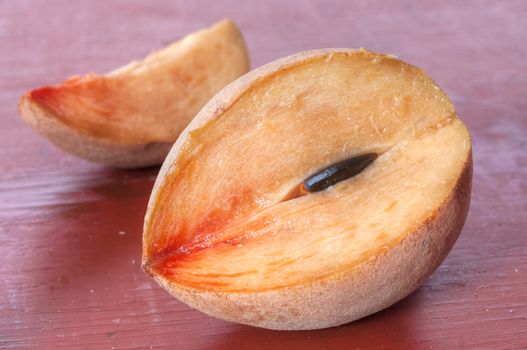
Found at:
[337, 172]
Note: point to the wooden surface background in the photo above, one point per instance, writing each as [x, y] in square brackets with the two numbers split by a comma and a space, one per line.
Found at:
[70, 231]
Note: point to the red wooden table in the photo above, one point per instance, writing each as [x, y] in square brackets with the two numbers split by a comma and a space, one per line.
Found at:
[70, 231]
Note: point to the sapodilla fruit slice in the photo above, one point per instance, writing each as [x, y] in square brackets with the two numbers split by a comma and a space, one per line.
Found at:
[131, 117]
[311, 192]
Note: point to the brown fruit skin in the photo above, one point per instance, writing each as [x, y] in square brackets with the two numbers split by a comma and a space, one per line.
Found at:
[367, 288]
[97, 150]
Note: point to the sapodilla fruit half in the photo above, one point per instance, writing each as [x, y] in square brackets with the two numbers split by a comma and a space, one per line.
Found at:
[311, 192]
[131, 116]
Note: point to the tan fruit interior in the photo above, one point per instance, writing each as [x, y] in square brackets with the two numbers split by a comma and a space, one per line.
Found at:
[220, 221]
[154, 99]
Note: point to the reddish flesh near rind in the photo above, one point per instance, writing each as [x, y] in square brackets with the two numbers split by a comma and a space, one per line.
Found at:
[202, 236]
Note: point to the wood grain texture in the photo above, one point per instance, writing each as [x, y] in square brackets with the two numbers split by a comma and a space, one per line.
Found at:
[70, 231]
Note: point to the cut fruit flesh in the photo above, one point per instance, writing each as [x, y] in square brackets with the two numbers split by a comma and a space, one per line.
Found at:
[143, 103]
[152, 100]
[288, 243]
[220, 219]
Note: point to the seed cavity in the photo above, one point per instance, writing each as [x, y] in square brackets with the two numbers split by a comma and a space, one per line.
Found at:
[332, 174]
